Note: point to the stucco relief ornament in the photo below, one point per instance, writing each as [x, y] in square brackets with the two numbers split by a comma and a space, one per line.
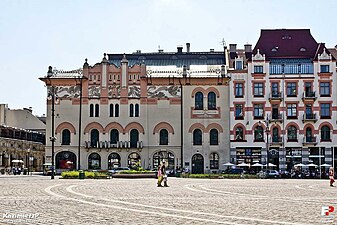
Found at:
[94, 92]
[324, 55]
[258, 56]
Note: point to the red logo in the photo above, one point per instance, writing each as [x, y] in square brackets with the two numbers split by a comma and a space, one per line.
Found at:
[326, 210]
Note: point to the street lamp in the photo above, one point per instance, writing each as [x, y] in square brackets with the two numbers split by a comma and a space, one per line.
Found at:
[28, 151]
[266, 122]
[51, 96]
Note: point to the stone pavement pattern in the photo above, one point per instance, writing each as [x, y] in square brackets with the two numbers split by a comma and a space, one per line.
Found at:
[186, 201]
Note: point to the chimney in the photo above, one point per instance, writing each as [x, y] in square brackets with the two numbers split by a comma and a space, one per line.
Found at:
[180, 49]
[232, 47]
[248, 48]
[188, 47]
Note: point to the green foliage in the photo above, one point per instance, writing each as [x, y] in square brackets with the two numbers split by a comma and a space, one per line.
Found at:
[87, 174]
[138, 167]
[219, 176]
[136, 172]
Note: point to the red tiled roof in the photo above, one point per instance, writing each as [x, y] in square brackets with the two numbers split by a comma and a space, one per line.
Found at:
[287, 43]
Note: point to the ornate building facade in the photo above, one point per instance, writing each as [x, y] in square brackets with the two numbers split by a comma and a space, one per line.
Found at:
[284, 101]
[22, 138]
[142, 108]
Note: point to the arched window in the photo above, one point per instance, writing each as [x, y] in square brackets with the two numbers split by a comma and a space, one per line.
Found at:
[116, 110]
[275, 135]
[114, 161]
[214, 161]
[239, 134]
[65, 137]
[131, 110]
[163, 134]
[133, 159]
[136, 110]
[158, 157]
[197, 137]
[65, 160]
[114, 136]
[292, 133]
[308, 134]
[134, 137]
[211, 100]
[97, 110]
[199, 101]
[111, 110]
[94, 138]
[213, 137]
[258, 133]
[325, 133]
[91, 110]
[94, 161]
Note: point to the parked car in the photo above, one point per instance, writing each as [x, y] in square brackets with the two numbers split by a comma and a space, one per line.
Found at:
[272, 174]
[118, 169]
[236, 171]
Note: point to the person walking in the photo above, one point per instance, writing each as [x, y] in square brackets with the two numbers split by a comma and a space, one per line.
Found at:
[163, 171]
[331, 176]
[160, 176]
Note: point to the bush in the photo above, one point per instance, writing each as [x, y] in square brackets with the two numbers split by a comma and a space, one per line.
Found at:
[220, 176]
[136, 172]
[87, 174]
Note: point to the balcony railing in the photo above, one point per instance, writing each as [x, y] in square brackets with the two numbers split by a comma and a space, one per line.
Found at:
[276, 140]
[275, 95]
[118, 145]
[309, 117]
[309, 95]
[276, 117]
[309, 140]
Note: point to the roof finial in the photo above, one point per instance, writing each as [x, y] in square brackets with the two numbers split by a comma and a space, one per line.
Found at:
[85, 63]
[104, 60]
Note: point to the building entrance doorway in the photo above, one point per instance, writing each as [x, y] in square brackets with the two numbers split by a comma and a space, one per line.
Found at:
[197, 164]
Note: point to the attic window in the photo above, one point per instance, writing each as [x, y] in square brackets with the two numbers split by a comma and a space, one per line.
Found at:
[274, 49]
[303, 49]
[286, 37]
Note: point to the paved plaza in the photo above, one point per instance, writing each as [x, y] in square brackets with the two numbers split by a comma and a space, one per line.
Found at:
[39, 200]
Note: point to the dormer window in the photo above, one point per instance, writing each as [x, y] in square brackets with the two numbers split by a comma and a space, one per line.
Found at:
[238, 64]
[286, 37]
[303, 49]
[274, 49]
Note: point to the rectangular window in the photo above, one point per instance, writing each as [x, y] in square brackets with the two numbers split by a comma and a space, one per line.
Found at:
[291, 110]
[258, 69]
[325, 110]
[238, 111]
[258, 110]
[238, 65]
[325, 69]
[275, 90]
[324, 89]
[291, 89]
[258, 89]
[238, 90]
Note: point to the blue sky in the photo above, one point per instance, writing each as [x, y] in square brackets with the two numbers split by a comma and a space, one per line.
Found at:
[36, 34]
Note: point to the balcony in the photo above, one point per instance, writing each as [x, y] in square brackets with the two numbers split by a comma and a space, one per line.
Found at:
[309, 117]
[119, 145]
[309, 95]
[275, 96]
[309, 140]
[276, 141]
[276, 117]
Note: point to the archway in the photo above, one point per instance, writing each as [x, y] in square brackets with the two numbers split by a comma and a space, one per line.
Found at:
[197, 164]
[159, 156]
[114, 161]
[94, 161]
[65, 160]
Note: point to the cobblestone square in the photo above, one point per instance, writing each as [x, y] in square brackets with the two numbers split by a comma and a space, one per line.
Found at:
[39, 200]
